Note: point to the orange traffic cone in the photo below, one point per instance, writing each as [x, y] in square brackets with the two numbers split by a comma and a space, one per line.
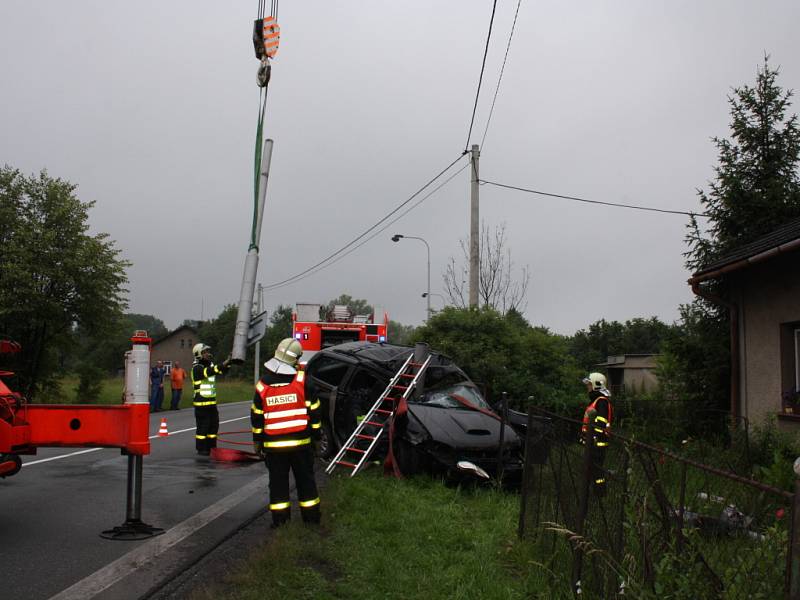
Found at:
[162, 431]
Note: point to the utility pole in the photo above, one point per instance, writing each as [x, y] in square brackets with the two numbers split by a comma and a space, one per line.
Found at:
[474, 231]
[257, 359]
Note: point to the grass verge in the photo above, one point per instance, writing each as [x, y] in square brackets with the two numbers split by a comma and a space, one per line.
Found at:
[387, 538]
[231, 390]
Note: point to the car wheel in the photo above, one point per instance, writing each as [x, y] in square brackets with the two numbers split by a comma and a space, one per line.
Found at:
[326, 445]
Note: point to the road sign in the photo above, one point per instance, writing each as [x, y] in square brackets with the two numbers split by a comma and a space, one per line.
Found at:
[257, 329]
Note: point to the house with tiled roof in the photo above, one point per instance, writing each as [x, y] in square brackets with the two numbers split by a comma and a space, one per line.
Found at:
[763, 281]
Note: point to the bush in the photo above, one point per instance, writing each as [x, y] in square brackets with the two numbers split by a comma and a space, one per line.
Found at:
[90, 383]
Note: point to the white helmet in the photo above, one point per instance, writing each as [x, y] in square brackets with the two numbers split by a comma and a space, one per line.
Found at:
[598, 382]
[286, 356]
[198, 349]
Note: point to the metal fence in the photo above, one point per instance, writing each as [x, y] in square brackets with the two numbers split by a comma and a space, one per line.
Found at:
[660, 525]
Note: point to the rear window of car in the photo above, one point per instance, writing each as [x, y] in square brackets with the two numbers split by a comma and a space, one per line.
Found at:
[328, 370]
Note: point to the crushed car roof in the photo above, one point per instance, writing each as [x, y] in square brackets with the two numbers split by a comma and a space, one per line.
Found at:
[388, 356]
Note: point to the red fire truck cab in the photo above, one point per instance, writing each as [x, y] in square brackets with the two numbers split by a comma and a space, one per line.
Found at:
[315, 331]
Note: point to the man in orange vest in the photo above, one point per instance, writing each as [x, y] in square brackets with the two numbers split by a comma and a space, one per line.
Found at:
[596, 426]
[284, 423]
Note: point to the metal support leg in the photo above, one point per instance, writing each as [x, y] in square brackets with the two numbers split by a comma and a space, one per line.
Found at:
[133, 528]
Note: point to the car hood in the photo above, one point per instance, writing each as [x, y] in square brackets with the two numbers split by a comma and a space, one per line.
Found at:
[461, 429]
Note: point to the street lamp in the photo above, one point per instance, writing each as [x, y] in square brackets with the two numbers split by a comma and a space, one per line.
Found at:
[427, 295]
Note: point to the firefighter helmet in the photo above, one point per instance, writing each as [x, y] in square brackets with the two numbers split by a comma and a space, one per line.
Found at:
[198, 349]
[286, 356]
[597, 381]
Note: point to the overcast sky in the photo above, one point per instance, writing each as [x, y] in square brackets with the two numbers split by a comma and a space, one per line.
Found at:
[150, 107]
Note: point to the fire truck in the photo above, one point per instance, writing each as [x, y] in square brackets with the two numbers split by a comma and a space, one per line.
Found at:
[315, 330]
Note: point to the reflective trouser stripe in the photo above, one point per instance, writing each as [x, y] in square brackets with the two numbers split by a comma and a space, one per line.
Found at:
[601, 444]
[601, 480]
[309, 503]
[316, 425]
[199, 437]
[204, 403]
[279, 506]
[212, 435]
[287, 443]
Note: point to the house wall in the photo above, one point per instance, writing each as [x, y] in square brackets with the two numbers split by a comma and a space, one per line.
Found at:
[768, 295]
[176, 346]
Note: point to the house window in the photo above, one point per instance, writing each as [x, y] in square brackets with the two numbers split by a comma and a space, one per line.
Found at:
[182, 343]
[797, 359]
[790, 363]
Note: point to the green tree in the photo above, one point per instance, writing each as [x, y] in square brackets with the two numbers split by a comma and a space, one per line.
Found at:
[357, 306]
[55, 275]
[399, 334]
[218, 332]
[756, 187]
[608, 338]
[755, 190]
[505, 354]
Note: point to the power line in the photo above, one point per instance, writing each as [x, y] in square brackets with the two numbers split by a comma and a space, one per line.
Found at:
[502, 69]
[367, 231]
[540, 193]
[480, 79]
[381, 230]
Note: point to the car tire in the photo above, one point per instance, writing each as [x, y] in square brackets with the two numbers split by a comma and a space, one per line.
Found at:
[326, 445]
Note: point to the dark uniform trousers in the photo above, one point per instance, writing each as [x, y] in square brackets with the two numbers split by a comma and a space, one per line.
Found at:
[207, 418]
[301, 462]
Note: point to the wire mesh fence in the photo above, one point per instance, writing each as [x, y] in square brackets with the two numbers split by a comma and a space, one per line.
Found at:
[634, 521]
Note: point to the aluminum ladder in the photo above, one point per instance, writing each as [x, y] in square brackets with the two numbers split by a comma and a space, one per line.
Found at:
[355, 452]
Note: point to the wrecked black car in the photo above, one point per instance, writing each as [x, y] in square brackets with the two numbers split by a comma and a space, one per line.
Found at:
[449, 428]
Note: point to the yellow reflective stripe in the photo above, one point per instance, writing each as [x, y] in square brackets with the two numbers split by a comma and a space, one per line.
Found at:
[287, 443]
[314, 406]
[600, 444]
[199, 437]
[308, 503]
[279, 506]
[601, 480]
[260, 387]
[258, 411]
[212, 435]
[256, 430]
[207, 403]
[316, 425]
[601, 419]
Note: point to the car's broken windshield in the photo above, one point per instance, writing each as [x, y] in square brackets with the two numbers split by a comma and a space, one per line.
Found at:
[455, 396]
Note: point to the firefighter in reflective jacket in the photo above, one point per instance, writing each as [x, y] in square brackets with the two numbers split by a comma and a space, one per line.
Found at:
[597, 425]
[204, 376]
[284, 423]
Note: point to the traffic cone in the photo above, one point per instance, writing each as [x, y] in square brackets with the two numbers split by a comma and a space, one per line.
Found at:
[162, 431]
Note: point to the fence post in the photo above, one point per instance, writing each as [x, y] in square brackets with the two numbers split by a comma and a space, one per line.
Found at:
[583, 507]
[793, 570]
[503, 420]
[527, 474]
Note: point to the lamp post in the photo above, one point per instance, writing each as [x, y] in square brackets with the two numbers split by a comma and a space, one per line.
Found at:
[396, 238]
[439, 296]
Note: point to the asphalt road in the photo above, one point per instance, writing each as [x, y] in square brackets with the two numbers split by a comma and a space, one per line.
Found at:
[53, 510]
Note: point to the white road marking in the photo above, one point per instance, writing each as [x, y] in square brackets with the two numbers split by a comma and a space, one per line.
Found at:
[60, 456]
[135, 559]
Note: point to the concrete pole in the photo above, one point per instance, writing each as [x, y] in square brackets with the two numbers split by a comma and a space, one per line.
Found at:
[474, 231]
[257, 359]
[251, 264]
